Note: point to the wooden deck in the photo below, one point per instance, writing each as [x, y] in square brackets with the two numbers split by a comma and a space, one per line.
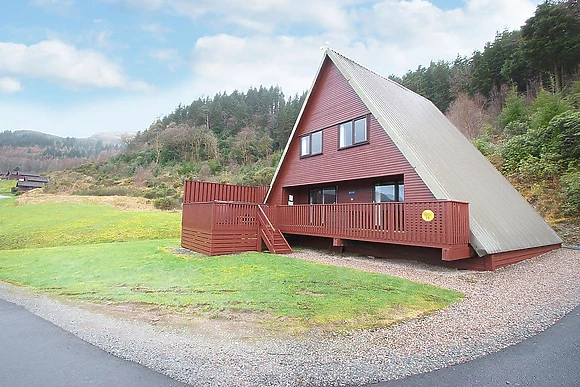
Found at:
[396, 223]
[229, 227]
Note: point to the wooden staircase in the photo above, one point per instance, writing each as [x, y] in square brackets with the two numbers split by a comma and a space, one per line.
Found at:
[274, 240]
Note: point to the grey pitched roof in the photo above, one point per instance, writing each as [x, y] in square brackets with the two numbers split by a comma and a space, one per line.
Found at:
[36, 178]
[453, 169]
[29, 184]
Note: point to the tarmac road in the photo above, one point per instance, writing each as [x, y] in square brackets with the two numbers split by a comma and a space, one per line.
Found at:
[551, 358]
[34, 352]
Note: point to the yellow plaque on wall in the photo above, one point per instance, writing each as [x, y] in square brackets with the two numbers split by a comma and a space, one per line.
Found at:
[428, 215]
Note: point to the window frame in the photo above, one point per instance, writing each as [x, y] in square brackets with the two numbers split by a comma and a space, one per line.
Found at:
[353, 132]
[309, 136]
[321, 190]
[398, 189]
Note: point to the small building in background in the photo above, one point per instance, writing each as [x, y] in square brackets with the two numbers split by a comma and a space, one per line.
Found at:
[24, 186]
[26, 180]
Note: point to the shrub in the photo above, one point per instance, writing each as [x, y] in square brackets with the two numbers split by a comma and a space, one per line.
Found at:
[547, 106]
[514, 151]
[515, 110]
[484, 143]
[167, 203]
[565, 129]
[515, 128]
[570, 192]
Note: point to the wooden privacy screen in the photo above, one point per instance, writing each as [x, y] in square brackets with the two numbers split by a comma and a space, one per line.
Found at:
[200, 191]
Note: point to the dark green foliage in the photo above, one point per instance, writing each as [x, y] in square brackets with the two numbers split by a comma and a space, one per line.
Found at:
[161, 191]
[433, 83]
[515, 128]
[167, 203]
[240, 128]
[501, 62]
[546, 106]
[552, 38]
[565, 132]
[570, 192]
[262, 176]
[515, 110]
[484, 143]
[515, 151]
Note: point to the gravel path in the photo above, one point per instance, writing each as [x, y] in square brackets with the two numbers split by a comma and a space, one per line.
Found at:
[500, 309]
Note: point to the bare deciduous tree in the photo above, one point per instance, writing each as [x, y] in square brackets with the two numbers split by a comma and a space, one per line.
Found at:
[468, 114]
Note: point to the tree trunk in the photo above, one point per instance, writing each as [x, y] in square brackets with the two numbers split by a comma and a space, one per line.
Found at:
[558, 76]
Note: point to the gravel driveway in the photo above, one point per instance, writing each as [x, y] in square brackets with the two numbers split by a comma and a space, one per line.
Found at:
[500, 309]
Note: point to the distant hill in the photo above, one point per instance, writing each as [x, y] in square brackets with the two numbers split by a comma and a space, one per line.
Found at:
[36, 151]
[112, 138]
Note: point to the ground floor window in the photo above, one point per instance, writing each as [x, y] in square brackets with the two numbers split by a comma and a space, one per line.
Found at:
[323, 195]
[390, 192]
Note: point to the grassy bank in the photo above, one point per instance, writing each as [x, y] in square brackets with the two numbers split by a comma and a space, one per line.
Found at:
[107, 255]
[279, 290]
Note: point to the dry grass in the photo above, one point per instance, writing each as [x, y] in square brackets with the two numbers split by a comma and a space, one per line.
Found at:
[122, 202]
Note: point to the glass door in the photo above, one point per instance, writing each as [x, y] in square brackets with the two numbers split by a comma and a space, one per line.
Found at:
[387, 193]
[320, 196]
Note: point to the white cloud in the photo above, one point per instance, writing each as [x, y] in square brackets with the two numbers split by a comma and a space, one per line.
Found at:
[164, 54]
[10, 85]
[256, 15]
[59, 62]
[226, 62]
[139, 5]
[169, 56]
[158, 31]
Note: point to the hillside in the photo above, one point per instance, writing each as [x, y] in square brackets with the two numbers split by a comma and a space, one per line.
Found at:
[29, 150]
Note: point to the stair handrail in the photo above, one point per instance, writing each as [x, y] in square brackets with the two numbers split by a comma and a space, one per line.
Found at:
[263, 219]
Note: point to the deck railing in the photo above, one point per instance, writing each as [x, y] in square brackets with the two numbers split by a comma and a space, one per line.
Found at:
[200, 192]
[220, 216]
[400, 223]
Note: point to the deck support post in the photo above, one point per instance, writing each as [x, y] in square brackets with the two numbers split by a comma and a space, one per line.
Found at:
[456, 252]
[337, 242]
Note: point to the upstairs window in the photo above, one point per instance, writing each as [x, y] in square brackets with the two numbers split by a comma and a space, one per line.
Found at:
[353, 133]
[311, 144]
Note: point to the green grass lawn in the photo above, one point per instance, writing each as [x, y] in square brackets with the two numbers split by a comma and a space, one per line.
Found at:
[47, 225]
[6, 186]
[107, 255]
[283, 290]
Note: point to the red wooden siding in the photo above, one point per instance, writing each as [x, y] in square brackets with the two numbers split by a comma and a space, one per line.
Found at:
[331, 102]
[199, 191]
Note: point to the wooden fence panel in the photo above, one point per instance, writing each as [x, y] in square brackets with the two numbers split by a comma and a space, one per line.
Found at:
[200, 191]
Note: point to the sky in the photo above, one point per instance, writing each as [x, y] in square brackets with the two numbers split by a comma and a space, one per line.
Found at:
[74, 68]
